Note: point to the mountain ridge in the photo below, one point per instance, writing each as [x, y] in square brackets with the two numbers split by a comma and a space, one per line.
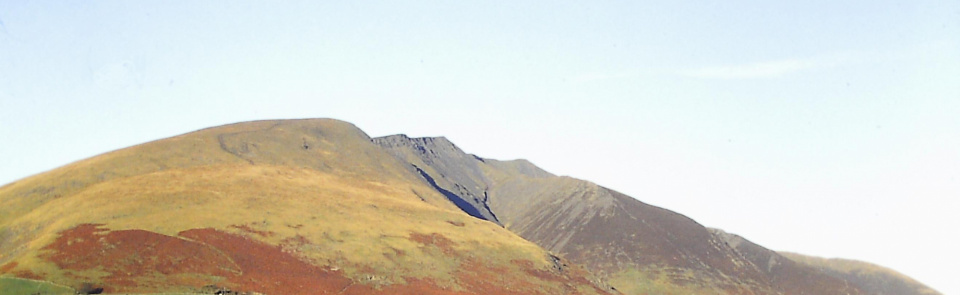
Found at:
[308, 191]
[557, 205]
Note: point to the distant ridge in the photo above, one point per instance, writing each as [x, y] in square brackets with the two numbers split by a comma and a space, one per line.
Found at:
[871, 278]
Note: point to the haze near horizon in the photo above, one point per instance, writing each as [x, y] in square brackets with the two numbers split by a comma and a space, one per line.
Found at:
[824, 128]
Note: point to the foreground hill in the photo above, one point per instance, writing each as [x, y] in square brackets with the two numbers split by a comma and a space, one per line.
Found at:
[872, 278]
[276, 207]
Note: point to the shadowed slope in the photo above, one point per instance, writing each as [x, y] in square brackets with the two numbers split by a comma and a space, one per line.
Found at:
[257, 207]
[639, 248]
[626, 240]
[871, 278]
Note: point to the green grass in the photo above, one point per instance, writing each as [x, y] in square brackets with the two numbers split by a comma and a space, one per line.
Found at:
[18, 286]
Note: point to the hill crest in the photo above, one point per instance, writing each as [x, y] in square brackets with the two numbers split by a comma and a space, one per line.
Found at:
[311, 195]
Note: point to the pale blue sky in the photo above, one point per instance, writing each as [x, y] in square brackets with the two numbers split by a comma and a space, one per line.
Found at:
[823, 127]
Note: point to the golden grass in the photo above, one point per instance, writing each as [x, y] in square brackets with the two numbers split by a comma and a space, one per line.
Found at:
[354, 205]
[346, 220]
[335, 147]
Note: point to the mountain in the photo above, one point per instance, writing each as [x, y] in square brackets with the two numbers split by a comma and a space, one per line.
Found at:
[871, 278]
[318, 207]
[275, 207]
[636, 247]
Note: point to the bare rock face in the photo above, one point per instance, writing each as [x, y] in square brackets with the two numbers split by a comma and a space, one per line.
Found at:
[446, 168]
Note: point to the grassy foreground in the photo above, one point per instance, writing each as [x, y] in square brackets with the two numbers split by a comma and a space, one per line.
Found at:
[12, 286]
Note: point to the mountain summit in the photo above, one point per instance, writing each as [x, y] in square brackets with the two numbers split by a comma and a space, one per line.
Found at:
[318, 207]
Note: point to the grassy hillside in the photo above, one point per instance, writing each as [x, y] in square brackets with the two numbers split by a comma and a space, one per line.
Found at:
[872, 278]
[11, 285]
[279, 207]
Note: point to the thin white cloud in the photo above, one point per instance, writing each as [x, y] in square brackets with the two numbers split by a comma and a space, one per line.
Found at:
[593, 77]
[760, 70]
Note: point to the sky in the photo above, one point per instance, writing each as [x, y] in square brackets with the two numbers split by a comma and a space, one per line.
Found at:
[829, 128]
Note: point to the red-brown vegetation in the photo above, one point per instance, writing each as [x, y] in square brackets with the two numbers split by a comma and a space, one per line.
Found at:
[268, 269]
[130, 256]
[26, 274]
[8, 267]
[247, 229]
[144, 261]
[445, 245]
[291, 244]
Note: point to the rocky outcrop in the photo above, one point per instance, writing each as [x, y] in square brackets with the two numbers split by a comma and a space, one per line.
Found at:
[448, 169]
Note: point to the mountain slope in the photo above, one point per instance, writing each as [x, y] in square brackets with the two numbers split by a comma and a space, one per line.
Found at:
[639, 248]
[789, 277]
[873, 279]
[278, 207]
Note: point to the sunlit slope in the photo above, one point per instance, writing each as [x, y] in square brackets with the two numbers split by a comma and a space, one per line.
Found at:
[636, 247]
[323, 145]
[871, 278]
[279, 207]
